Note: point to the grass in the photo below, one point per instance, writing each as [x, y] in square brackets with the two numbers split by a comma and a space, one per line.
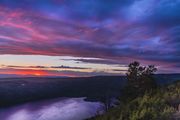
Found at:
[159, 104]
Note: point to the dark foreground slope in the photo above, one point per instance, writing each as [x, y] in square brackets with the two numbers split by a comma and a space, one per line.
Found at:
[19, 90]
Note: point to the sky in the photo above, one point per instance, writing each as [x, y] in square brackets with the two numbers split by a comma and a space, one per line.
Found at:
[88, 37]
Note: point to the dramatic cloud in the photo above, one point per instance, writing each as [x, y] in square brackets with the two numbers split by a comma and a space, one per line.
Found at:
[118, 31]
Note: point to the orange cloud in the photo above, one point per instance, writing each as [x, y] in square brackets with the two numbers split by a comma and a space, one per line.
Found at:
[25, 72]
[32, 72]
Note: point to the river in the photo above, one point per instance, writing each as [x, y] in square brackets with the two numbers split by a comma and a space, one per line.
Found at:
[55, 109]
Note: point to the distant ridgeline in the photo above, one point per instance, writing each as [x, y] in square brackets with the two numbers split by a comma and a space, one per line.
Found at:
[99, 88]
[166, 78]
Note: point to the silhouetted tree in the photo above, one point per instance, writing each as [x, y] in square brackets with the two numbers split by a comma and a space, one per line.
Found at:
[139, 79]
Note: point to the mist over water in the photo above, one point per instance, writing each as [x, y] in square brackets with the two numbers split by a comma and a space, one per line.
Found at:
[56, 109]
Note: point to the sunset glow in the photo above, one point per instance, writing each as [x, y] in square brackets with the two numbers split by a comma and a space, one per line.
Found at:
[32, 72]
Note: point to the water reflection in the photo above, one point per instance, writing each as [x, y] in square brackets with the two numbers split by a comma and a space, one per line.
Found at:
[57, 109]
